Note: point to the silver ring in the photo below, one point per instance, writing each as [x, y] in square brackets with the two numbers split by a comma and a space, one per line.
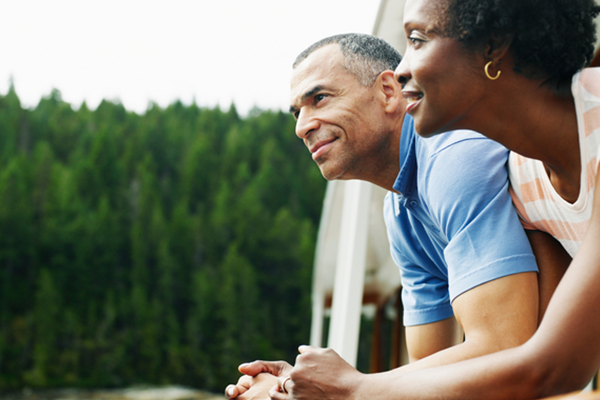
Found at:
[283, 385]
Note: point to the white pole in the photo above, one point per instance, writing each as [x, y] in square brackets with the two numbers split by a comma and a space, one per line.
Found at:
[350, 271]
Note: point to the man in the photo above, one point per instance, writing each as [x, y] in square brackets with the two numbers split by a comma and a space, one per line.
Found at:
[452, 228]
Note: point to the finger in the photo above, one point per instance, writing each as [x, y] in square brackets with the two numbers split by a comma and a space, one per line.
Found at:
[244, 383]
[253, 368]
[285, 384]
[241, 387]
[304, 349]
[275, 394]
[231, 392]
[256, 367]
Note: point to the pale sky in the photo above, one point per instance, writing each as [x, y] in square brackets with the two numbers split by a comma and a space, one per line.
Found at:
[137, 51]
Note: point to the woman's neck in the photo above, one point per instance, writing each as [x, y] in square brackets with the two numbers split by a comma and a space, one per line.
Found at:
[537, 122]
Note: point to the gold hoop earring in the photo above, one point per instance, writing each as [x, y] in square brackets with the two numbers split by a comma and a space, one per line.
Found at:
[488, 74]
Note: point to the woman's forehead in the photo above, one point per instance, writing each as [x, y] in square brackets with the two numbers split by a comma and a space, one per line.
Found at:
[428, 14]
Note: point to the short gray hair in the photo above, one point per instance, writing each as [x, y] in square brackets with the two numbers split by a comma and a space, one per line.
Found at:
[365, 56]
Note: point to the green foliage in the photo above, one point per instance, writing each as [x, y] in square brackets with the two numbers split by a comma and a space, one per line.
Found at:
[160, 248]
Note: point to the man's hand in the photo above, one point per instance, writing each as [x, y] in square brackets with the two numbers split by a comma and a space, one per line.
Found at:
[318, 374]
[253, 375]
[252, 388]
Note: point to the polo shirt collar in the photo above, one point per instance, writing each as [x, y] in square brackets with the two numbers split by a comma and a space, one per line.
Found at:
[408, 161]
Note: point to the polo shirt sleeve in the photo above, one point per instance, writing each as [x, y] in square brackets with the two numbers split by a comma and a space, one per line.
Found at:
[485, 238]
[425, 295]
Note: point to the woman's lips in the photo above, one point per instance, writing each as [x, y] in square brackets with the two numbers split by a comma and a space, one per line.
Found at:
[412, 99]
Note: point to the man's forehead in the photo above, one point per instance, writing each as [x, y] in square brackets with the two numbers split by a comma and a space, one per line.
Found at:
[328, 53]
[320, 61]
[321, 68]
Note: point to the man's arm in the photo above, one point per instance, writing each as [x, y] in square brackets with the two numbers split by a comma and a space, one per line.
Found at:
[495, 316]
[508, 303]
[427, 339]
[491, 278]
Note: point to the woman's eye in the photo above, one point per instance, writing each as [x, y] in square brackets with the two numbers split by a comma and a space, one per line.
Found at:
[415, 40]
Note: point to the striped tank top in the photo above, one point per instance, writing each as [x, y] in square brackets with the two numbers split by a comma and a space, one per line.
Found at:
[539, 205]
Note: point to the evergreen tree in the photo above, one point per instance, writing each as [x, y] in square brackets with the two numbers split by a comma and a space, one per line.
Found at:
[150, 248]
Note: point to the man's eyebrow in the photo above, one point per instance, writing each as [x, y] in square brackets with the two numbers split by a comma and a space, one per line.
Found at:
[312, 92]
[307, 95]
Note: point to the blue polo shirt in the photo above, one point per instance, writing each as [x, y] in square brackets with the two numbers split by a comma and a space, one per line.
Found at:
[453, 227]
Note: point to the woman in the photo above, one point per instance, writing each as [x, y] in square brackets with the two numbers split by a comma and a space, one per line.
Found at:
[512, 71]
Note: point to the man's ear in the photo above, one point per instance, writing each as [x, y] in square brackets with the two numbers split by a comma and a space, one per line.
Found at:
[391, 91]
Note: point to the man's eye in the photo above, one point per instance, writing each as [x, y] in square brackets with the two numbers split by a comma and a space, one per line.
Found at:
[319, 97]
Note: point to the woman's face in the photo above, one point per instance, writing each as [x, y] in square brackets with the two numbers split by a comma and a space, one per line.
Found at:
[440, 78]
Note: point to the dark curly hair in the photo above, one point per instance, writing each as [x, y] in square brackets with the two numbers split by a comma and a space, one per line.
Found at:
[552, 39]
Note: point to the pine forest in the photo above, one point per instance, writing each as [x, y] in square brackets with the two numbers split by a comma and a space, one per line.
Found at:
[163, 248]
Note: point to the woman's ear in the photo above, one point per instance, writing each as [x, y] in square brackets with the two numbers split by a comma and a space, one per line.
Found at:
[390, 89]
[497, 47]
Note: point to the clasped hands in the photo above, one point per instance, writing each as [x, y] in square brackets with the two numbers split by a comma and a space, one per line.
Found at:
[318, 373]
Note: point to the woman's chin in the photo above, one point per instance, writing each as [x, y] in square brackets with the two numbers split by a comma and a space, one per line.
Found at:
[425, 131]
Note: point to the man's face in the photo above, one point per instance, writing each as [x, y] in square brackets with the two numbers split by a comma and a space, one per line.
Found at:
[339, 120]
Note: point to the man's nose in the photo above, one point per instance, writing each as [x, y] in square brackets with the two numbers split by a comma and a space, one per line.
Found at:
[305, 124]
[402, 72]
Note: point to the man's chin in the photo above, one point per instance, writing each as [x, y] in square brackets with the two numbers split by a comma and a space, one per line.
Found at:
[327, 174]
[333, 175]
[332, 171]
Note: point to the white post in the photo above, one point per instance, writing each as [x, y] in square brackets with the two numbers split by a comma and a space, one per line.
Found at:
[318, 290]
[318, 308]
[350, 271]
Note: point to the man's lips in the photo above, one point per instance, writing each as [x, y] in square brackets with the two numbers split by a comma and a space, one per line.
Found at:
[412, 98]
[320, 147]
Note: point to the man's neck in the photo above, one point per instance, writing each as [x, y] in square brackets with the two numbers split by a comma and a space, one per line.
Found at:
[388, 162]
